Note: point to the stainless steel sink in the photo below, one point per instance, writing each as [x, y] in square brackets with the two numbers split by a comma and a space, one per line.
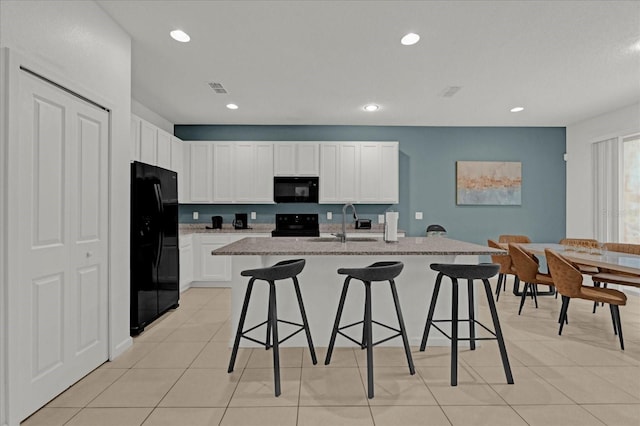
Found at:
[336, 239]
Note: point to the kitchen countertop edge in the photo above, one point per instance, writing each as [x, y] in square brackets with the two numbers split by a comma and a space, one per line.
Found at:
[406, 246]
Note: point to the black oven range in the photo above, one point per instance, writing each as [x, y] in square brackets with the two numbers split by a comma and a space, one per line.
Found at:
[296, 225]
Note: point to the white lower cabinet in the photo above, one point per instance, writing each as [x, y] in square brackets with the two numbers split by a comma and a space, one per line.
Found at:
[208, 267]
[208, 270]
[186, 262]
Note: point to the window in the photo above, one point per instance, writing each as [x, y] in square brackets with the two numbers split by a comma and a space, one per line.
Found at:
[630, 190]
[616, 172]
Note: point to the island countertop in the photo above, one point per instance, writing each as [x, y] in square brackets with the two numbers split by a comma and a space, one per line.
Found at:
[322, 247]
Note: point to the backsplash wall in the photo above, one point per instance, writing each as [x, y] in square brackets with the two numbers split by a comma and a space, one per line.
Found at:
[427, 158]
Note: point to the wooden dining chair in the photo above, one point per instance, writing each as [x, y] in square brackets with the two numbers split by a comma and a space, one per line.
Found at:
[505, 239]
[526, 266]
[605, 276]
[568, 280]
[506, 268]
[522, 239]
[583, 242]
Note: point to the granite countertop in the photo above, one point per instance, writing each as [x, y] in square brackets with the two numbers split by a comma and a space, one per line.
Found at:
[266, 228]
[321, 247]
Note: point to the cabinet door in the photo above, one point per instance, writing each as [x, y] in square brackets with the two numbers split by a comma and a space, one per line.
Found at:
[177, 164]
[284, 159]
[307, 159]
[213, 268]
[389, 173]
[163, 149]
[329, 154]
[263, 173]
[349, 164]
[148, 133]
[370, 172]
[244, 171]
[200, 166]
[186, 266]
[222, 172]
[135, 139]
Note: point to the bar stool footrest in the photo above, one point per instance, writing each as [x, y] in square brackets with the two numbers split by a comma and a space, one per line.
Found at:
[361, 344]
[495, 337]
[243, 334]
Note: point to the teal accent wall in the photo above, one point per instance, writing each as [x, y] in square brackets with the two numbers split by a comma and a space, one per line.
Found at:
[428, 158]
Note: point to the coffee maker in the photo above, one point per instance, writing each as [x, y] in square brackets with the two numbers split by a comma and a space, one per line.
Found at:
[241, 221]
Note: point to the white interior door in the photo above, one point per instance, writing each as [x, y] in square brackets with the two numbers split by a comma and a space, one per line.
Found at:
[63, 240]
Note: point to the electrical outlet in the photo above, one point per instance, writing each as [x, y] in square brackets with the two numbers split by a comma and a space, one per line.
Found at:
[253, 215]
[329, 216]
[380, 218]
[195, 215]
[418, 215]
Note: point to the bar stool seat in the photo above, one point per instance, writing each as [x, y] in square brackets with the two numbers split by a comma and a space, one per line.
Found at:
[280, 271]
[483, 272]
[379, 271]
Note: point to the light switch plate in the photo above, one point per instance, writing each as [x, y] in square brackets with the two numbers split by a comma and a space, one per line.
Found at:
[195, 215]
[253, 215]
[380, 218]
[329, 216]
[418, 215]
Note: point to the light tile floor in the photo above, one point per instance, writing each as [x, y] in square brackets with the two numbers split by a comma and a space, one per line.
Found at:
[176, 374]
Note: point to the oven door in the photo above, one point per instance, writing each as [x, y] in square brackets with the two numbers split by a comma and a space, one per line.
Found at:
[295, 189]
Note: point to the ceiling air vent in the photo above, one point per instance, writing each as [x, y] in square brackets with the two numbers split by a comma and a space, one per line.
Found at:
[218, 88]
[450, 91]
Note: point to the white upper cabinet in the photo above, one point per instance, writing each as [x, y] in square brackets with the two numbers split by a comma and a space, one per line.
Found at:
[152, 145]
[163, 149]
[177, 165]
[253, 172]
[329, 180]
[230, 172]
[148, 146]
[389, 173]
[296, 158]
[242, 172]
[222, 172]
[200, 172]
[359, 172]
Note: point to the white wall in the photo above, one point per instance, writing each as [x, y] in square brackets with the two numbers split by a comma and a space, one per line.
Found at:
[580, 137]
[76, 44]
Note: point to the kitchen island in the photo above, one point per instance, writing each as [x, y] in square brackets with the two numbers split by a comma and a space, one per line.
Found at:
[321, 285]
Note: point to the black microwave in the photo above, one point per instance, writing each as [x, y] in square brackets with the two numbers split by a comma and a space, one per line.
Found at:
[295, 189]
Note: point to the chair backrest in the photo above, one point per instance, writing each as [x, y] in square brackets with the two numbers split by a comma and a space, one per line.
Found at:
[525, 263]
[514, 239]
[503, 261]
[623, 247]
[566, 277]
[584, 242]
[436, 230]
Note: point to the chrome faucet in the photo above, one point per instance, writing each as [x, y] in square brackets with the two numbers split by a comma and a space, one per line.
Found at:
[343, 235]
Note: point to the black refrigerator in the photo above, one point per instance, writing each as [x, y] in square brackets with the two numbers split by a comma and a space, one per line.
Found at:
[155, 269]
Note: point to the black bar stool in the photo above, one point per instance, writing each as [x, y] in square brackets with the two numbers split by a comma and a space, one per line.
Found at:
[280, 271]
[469, 272]
[379, 271]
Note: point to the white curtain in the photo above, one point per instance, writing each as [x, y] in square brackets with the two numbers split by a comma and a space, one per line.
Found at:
[606, 170]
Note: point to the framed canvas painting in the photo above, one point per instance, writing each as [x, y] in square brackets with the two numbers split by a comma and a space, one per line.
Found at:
[496, 183]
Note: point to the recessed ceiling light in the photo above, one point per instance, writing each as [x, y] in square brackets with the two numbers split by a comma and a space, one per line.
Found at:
[517, 109]
[371, 107]
[232, 106]
[179, 35]
[410, 39]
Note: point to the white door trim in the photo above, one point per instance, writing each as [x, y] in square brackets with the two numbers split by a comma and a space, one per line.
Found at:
[10, 63]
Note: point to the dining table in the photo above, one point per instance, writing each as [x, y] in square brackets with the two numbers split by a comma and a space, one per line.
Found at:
[606, 259]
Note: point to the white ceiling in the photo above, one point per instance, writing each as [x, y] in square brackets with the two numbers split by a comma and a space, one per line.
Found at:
[319, 62]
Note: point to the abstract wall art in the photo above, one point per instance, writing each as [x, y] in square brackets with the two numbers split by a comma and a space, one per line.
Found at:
[497, 183]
